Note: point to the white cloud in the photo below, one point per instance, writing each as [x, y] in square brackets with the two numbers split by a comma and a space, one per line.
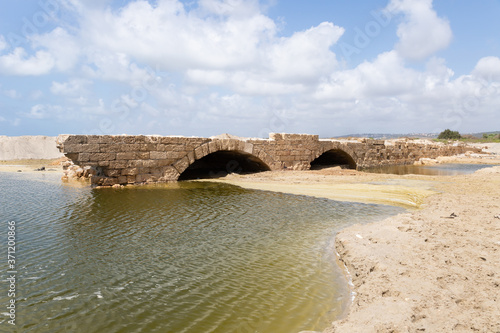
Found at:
[227, 67]
[422, 32]
[286, 66]
[167, 35]
[306, 55]
[63, 47]
[38, 111]
[74, 87]
[19, 63]
[385, 76]
[96, 109]
[488, 68]
[113, 66]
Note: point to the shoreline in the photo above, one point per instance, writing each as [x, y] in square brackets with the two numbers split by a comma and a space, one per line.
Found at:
[416, 271]
[424, 271]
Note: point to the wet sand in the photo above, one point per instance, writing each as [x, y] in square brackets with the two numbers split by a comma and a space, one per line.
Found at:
[424, 271]
[30, 165]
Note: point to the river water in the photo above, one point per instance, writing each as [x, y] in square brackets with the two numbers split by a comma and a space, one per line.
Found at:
[186, 257]
[429, 170]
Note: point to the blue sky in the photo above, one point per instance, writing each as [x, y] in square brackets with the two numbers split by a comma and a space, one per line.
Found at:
[248, 67]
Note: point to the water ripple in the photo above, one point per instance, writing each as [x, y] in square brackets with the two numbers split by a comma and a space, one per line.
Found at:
[188, 257]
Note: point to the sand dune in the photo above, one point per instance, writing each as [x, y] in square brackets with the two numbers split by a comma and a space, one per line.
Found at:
[28, 147]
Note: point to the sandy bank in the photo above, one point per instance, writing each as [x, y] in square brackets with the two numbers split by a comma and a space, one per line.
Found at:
[28, 147]
[31, 165]
[425, 272]
[342, 185]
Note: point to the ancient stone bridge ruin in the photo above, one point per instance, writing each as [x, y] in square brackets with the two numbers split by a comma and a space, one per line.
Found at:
[135, 159]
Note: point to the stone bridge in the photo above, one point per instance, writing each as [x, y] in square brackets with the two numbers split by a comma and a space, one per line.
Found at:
[127, 159]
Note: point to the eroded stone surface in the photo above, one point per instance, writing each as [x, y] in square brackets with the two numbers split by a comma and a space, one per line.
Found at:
[129, 159]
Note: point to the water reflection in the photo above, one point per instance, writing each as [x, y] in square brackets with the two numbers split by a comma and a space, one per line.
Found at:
[189, 257]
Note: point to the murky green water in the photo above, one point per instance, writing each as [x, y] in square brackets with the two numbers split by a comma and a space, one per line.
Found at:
[187, 257]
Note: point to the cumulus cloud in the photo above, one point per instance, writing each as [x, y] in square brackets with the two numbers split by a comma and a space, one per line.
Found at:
[61, 45]
[20, 63]
[422, 32]
[114, 66]
[214, 62]
[166, 34]
[488, 68]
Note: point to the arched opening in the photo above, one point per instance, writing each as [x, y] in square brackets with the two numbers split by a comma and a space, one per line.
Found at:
[332, 158]
[222, 163]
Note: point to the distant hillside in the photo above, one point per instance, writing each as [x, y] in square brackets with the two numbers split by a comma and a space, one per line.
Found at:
[480, 135]
[382, 136]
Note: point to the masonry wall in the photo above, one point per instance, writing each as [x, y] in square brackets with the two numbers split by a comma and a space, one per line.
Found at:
[111, 160]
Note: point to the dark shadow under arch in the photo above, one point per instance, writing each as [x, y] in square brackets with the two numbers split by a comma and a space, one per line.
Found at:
[223, 162]
[334, 157]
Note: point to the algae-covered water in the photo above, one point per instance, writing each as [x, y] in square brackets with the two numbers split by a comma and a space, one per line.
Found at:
[186, 257]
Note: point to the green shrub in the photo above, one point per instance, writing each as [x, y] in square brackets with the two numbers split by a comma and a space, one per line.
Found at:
[448, 134]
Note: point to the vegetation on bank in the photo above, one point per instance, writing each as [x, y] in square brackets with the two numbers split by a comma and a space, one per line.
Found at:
[448, 135]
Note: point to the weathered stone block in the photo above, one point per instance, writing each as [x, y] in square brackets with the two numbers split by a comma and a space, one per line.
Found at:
[130, 172]
[171, 174]
[103, 163]
[84, 157]
[134, 163]
[122, 180]
[98, 139]
[149, 147]
[118, 164]
[248, 148]
[205, 149]
[109, 181]
[151, 163]
[102, 157]
[75, 139]
[190, 157]
[72, 148]
[144, 170]
[182, 164]
[131, 147]
[143, 155]
[163, 147]
[212, 147]
[198, 153]
[183, 148]
[89, 148]
[112, 172]
[109, 148]
[158, 155]
[126, 156]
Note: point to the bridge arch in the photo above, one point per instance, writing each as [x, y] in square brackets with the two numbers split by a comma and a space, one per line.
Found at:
[334, 157]
[219, 158]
